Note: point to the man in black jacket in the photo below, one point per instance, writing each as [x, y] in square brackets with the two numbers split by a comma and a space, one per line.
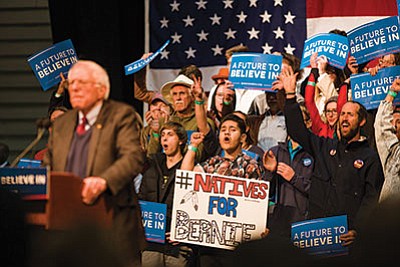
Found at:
[158, 186]
[348, 175]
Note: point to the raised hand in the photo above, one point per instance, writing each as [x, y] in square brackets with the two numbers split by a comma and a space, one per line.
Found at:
[313, 60]
[352, 65]
[269, 161]
[322, 62]
[288, 79]
[196, 139]
[197, 90]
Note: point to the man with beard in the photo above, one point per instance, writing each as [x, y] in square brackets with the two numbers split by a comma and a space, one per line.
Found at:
[348, 175]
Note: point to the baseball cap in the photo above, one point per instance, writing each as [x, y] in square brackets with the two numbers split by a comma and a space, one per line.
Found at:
[158, 97]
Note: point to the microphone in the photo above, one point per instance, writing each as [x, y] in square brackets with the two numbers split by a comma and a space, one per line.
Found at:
[42, 125]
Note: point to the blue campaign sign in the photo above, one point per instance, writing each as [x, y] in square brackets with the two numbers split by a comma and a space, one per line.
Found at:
[254, 71]
[30, 183]
[141, 63]
[29, 163]
[375, 39]
[49, 63]
[370, 90]
[154, 217]
[321, 236]
[334, 46]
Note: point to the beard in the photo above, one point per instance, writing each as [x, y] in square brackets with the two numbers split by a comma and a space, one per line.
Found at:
[350, 135]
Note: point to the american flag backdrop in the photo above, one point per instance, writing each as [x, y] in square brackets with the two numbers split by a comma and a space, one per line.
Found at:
[201, 30]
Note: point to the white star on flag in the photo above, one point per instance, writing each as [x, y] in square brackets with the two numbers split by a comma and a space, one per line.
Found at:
[289, 49]
[164, 54]
[217, 50]
[253, 33]
[176, 38]
[266, 17]
[215, 19]
[174, 6]
[230, 34]
[278, 3]
[242, 17]
[201, 4]
[253, 3]
[228, 3]
[267, 49]
[202, 36]
[188, 21]
[289, 18]
[164, 23]
[279, 33]
[190, 52]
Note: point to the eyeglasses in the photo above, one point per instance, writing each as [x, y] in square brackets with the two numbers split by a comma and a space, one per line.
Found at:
[330, 111]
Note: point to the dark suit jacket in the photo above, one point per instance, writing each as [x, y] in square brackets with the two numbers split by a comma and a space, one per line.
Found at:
[114, 154]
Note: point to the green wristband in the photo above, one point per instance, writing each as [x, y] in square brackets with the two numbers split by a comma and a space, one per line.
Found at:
[392, 93]
[311, 83]
[194, 149]
[155, 135]
[227, 103]
[199, 102]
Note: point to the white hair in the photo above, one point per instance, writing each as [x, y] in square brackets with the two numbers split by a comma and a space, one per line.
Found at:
[99, 74]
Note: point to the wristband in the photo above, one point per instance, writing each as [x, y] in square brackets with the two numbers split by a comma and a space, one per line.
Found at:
[290, 93]
[311, 83]
[392, 93]
[155, 135]
[227, 103]
[193, 148]
[201, 102]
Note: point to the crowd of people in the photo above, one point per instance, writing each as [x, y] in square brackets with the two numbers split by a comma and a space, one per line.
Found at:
[306, 137]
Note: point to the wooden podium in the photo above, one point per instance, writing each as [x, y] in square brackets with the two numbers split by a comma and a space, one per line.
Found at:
[63, 208]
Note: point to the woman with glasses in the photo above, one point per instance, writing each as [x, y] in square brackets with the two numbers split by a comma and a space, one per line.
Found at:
[324, 127]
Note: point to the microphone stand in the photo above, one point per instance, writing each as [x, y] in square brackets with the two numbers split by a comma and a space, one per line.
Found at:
[40, 132]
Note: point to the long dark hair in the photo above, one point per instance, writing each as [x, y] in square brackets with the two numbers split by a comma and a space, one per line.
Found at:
[226, 109]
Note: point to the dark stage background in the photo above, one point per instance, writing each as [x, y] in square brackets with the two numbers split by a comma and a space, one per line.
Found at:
[108, 32]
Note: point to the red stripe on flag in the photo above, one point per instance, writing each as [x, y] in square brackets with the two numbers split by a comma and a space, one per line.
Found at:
[344, 8]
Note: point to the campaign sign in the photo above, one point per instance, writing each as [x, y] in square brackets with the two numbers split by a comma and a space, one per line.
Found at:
[154, 217]
[218, 211]
[49, 63]
[370, 90]
[321, 236]
[141, 63]
[30, 183]
[334, 46]
[254, 71]
[375, 39]
[29, 163]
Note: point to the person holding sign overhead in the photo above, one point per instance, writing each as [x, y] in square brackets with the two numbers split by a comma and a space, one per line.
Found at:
[332, 106]
[348, 175]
